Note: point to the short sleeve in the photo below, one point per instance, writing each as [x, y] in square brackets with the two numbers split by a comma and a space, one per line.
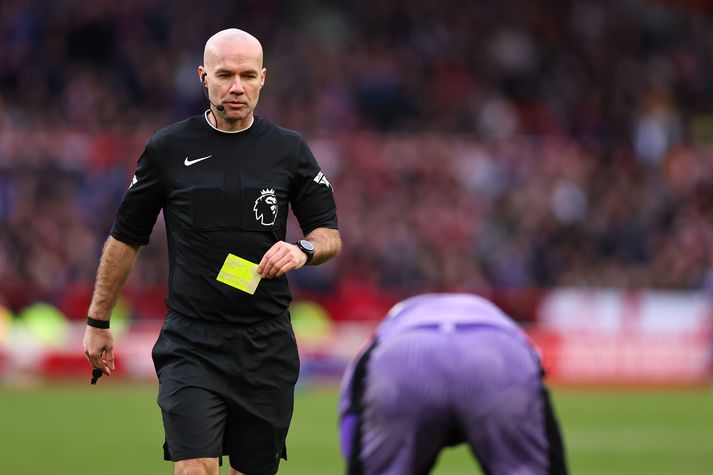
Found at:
[311, 196]
[141, 204]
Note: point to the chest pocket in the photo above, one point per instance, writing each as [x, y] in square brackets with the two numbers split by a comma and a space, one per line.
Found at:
[263, 201]
[199, 199]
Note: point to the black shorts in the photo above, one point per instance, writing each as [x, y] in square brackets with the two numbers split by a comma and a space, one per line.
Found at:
[227, 390]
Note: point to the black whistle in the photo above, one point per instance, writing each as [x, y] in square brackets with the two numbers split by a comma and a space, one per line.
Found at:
[96, 374]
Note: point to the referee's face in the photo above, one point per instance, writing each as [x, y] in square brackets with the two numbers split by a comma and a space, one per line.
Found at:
[234, 77]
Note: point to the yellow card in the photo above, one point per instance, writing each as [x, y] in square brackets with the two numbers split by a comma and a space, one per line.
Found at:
[239, 273]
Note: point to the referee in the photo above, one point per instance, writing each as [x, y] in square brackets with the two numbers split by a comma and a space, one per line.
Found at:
[226, 357]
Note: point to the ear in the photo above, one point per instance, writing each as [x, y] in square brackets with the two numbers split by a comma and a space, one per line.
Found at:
[263, 75]
[202, 73]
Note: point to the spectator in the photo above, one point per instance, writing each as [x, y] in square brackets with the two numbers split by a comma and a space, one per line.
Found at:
[495, 144]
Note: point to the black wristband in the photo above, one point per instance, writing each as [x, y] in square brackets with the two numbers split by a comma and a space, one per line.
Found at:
[92, 322]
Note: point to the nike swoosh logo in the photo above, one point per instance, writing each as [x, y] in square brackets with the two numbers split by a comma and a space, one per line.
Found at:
[188, 163]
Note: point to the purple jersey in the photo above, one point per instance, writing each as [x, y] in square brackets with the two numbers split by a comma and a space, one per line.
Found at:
[445, 369]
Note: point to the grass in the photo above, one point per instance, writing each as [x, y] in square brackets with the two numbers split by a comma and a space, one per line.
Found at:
[115, 428]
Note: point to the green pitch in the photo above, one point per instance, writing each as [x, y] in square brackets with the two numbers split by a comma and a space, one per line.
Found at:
[115, 429]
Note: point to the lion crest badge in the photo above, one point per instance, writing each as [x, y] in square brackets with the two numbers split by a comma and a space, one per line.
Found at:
[265, 207]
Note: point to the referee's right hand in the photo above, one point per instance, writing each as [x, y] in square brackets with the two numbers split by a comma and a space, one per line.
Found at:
[99, 349]
[281, 258]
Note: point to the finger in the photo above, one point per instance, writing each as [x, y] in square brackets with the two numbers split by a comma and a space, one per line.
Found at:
[278, 264]
[262, 270]
[96, 362]
[282, 266]
[90, 357]
[104, 368]
[266, 259]
[110, 359]
[269, 268]
[262, 264]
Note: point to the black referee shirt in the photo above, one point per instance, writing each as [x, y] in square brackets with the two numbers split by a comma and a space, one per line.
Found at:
[223, 193]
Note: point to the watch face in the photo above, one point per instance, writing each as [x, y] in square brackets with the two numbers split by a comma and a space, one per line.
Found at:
[306, 245]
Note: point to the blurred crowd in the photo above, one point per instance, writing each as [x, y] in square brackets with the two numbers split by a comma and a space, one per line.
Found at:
[471, 145]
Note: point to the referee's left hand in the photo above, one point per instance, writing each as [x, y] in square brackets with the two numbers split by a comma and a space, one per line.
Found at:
[281, 258]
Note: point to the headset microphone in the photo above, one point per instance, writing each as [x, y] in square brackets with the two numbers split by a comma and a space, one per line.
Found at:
[220, 107]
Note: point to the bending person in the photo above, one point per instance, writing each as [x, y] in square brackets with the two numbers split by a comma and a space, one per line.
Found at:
[443, 369]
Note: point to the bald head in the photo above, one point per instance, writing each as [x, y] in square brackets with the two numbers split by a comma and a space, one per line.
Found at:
[233, 75]
[231, 42]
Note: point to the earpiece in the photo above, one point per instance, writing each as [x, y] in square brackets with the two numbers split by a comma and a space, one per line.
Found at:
[219, 107]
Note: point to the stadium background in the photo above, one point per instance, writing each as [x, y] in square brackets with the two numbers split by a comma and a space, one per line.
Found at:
[554, 156]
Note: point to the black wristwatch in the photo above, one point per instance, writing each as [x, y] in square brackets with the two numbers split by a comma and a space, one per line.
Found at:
[306, 247]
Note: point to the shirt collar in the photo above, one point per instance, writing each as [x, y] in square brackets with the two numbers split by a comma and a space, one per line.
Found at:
[252, 121]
